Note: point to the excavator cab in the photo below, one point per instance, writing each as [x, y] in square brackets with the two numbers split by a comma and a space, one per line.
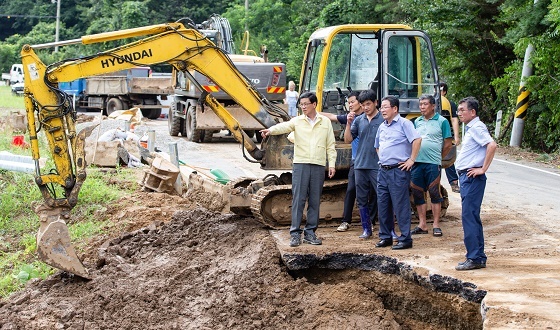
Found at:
[391, 59]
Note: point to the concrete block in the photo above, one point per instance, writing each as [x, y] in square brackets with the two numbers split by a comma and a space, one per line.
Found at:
[106, 153]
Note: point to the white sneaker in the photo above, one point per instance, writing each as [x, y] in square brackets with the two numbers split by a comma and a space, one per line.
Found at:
[343, 226]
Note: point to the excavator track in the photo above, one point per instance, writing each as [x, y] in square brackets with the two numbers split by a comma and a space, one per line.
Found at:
[272, 205]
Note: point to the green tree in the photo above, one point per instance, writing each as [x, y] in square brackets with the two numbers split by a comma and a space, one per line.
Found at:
[8, 56]
[466, 37]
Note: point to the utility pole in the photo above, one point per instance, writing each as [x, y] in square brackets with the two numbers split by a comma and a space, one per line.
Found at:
[57, 23]
[522, 99]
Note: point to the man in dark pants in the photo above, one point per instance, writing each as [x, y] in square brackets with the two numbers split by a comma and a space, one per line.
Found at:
[397, 144]
[449, 111]
[350, 199]
[314, 144]
[473, 161]
[366, 163]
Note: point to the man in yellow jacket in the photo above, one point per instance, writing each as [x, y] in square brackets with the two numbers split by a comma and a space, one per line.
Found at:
[314, 145]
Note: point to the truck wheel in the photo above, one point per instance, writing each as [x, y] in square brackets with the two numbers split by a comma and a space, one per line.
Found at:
[208, 134]
[151, 113]
[113, 105]
[174, 123]
[250, 133]
[254, 134]
[194, 135]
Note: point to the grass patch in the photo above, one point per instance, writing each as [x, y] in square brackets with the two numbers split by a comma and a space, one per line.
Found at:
[19, 224]
[18, 192]
[9, 100]
[544, 158]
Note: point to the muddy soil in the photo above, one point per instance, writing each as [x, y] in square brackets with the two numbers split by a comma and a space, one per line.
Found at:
[184, 267]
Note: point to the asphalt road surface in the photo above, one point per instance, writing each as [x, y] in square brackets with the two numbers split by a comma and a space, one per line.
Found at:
[529, 189]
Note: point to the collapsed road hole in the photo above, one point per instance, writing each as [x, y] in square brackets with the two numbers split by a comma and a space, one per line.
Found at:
[417, 302]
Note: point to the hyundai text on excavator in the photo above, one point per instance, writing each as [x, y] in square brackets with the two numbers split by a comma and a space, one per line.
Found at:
[392, 59]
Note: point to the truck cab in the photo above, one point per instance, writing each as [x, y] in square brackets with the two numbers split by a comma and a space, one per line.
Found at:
[16, 74]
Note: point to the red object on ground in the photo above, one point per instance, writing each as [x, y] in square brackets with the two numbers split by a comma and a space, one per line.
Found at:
[18, 141]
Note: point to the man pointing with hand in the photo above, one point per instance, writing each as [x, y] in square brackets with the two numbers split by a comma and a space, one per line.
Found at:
[314, 145]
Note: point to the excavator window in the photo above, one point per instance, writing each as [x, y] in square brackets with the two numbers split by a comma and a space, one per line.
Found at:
[409, 73]
[315, 53]
[352, 62]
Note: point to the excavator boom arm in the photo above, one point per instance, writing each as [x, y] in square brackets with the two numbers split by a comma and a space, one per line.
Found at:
[190, 50]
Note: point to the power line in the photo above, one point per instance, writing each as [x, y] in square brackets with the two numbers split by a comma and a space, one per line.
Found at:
[26, 16]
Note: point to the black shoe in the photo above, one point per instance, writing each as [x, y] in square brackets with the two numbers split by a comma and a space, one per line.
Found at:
[469, 264]
[295, 240]
[312, 239]
[365, 235]
[402, 246]
[384, 242]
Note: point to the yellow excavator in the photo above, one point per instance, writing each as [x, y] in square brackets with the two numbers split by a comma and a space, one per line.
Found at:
[392, 59]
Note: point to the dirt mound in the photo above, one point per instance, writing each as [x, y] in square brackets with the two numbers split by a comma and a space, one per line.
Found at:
[180, 266]
[200, 270]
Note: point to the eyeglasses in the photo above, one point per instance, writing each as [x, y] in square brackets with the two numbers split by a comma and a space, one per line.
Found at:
[463, 110]
[304, 104]
[385, 107]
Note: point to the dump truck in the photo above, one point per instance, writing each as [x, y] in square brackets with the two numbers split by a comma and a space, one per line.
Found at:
[122, 90]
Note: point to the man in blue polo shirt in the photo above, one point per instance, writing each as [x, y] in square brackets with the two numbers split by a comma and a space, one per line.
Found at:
[366, 163]
[473, 161]
[397, 144]
[426, 172]
[350, 199]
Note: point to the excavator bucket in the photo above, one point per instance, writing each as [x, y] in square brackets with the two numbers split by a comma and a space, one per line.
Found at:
[53, 241]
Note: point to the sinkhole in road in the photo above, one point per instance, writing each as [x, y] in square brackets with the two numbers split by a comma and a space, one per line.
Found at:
[417, 301]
